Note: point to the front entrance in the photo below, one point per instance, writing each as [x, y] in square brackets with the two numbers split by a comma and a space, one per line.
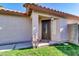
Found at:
[46, 34]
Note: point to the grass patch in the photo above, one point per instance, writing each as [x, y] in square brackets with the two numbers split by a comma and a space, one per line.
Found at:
[55, 50]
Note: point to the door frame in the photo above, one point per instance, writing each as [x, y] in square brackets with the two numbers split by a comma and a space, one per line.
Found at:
[48, 21]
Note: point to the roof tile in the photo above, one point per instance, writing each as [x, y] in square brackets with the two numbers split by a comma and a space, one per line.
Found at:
[49, 11]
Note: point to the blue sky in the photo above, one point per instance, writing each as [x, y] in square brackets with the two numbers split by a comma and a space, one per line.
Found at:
[72, 8]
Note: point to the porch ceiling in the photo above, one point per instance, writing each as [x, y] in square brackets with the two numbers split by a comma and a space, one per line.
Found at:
[44, 17]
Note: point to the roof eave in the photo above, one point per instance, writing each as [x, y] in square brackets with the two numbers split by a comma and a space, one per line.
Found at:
[49, 11]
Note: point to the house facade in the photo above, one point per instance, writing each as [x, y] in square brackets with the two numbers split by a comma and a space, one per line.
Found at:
[38, 25]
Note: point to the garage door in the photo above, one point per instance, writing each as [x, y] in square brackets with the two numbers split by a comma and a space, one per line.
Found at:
[14, 29]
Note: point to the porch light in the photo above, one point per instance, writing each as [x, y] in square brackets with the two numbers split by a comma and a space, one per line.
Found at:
[61, 29]
[1, 28]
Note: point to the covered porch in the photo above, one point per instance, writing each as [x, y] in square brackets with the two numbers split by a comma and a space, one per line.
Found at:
[45, 30]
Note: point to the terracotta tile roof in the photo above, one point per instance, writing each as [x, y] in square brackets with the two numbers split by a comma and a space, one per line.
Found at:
[12, 12]
[49, 11]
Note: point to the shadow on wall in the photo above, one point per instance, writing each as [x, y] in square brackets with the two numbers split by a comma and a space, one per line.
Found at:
[13, 46]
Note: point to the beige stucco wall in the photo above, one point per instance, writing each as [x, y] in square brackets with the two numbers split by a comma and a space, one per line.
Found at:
[72, 21]
[15, 29]
[54, 30]
[59, 30]
[63, 30]
[40, 29]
